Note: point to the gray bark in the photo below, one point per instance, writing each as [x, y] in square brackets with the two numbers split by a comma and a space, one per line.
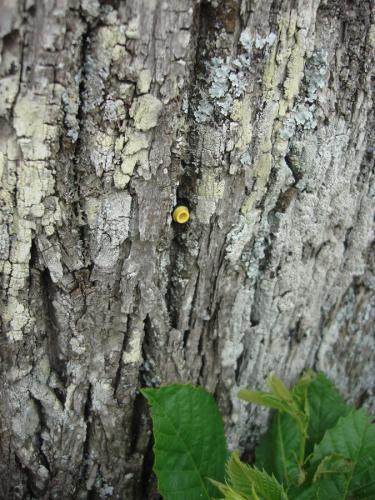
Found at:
[258, 114]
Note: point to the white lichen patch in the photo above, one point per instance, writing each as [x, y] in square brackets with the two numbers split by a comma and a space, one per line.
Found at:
[20, 249]
[246, 40]
[145, 111]
[51, 257]
[133, 353]
[231, 352]
[27, 170]
[240, 236]
[227, 78]
[204, 111]
[102, 395]
[102, 151]
[108, 218]
[114, 110]
[302, 115]
[18, 316]
[8, 92]
[35, 183]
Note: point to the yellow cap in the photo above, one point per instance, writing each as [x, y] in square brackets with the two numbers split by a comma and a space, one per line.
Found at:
[181, 214]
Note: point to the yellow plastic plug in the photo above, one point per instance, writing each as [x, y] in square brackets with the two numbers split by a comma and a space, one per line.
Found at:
[181, 214]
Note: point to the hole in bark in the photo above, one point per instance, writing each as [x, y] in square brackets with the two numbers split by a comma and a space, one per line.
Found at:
[362, 398]
[185, 339]
[148, 479]
[254, 319]
[295, 333]
[56, 357]
[87, 417]
[285, 199]
[60, 394]
[237, 371]
[201, 371]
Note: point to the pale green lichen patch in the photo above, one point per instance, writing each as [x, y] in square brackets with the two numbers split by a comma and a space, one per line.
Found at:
[135, 153]
[295, 68]
[28, 119]
[145, 111]
[2, 164]
[242, 113]
[33, 133]
[119, 144]
[110, 36]
[144, 81]
[263, 170]
[262, 164]
[132, 31]
[129, 162]
[371, 36]
[135, 143]
[120, 180]
[269, 73]
[210, 191]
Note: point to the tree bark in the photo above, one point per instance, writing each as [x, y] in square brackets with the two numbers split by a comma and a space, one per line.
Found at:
[256, 114]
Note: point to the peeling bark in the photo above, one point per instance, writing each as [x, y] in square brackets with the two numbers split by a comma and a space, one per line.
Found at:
[257, 114]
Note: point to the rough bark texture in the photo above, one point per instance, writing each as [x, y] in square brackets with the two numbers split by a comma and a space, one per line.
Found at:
[259, 115]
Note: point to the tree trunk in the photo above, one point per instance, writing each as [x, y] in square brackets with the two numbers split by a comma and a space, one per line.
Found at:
[258, 115]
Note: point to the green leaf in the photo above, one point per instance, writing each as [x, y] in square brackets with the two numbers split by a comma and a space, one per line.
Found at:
[328, 481]
[189, 441]
[230, 494]
[263, 399]
[248, 481]
[332, 465]
[353, 438]
[278, 451]
[279, 389]
[300, 389]
[325, 489]
[325, 407]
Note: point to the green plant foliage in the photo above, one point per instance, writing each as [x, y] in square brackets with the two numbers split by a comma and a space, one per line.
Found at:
[278, 451]
[283, 449]
[317, 447]
[189, 439]
[352, 443]
[250, 482]
[325, 407]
